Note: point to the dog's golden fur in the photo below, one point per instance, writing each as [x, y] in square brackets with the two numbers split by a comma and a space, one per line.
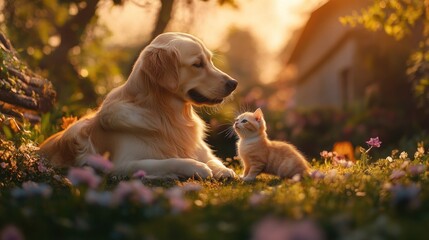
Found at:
[149, 123]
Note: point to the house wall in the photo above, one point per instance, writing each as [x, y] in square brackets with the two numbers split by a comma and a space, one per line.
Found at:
[325, 87]
[325, 56]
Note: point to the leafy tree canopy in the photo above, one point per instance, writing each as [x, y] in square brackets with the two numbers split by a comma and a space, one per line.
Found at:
[399, 18]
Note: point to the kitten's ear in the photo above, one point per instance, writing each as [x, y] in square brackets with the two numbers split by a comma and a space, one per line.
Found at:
[258, 114]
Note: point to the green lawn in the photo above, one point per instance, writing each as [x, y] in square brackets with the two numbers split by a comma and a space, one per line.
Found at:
[379, 200]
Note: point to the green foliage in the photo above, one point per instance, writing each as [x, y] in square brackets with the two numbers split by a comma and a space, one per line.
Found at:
[19, 161]
[387, 199]
[398, 18]
[395, 17]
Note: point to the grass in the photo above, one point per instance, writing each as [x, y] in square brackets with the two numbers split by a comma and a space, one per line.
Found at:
[379, 200]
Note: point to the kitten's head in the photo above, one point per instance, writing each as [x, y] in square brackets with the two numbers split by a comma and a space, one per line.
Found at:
[250, 124]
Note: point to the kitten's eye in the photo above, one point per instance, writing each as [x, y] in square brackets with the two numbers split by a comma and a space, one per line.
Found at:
[199, 64]
[244, 121]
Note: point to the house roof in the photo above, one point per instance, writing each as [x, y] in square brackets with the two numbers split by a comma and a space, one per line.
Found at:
[305, 36]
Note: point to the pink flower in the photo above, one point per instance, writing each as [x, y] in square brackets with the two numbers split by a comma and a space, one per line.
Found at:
[11, 232]
[178, 204]
[324, 154]
[134, 190]
[256, 198]
[41, 167]
[191, 187]
[83, 175]
[176, 199]
[374, 142]
[100, 162]
[3, 165]
[140, 174]
[396, 174]
[345, 163]
[276, 229]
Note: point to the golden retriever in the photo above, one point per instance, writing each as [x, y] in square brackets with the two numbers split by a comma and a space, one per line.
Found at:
[149, 122]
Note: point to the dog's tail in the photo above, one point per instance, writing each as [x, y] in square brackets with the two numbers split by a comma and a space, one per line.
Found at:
[67, 147]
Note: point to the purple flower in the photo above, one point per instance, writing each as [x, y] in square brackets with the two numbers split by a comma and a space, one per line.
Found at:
[140, 174]
[11, 232]
[405, 196]
[396, 174]
[3, 165]
[30, 189]
[417, 169]
[100, 162]
[83, 175]
[316, 174]
[374, 142]
[100, 198]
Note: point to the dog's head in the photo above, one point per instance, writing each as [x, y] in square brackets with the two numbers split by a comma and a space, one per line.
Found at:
[181, 64]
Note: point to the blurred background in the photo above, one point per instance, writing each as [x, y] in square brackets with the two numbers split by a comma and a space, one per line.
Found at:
[324, 72]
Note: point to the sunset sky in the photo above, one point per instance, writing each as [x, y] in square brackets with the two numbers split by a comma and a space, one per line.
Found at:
[271, 21]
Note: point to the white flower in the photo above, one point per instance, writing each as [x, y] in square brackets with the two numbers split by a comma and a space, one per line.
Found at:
[403, 155]
[418, 154]
[390, 159]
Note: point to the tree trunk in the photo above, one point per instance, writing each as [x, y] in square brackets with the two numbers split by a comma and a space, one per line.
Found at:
[65, 73]
[23, 94]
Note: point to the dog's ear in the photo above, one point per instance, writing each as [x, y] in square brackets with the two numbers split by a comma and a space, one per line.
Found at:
[161, 64]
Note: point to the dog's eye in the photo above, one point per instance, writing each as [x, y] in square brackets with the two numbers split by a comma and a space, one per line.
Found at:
[244, 121]
[200, 64]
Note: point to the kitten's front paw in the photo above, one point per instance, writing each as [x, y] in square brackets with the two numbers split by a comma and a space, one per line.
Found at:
[249, 179]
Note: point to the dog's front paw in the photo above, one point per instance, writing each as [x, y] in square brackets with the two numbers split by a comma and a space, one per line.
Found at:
[200, 170]
[220, 171]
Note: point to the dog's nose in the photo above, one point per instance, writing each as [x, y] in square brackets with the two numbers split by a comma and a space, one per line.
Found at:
[231, 85]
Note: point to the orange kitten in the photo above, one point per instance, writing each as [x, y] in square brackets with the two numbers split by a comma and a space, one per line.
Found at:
[261, 155]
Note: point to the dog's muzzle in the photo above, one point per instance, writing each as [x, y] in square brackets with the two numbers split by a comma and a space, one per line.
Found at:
[201, 99]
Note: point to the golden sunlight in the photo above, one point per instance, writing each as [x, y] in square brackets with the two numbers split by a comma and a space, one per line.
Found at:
[271, 22]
